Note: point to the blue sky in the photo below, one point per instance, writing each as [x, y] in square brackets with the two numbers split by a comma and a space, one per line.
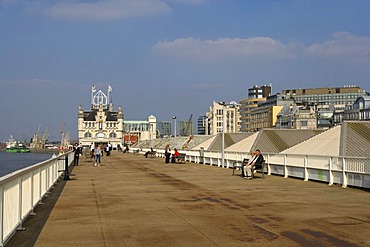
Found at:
[169, 57]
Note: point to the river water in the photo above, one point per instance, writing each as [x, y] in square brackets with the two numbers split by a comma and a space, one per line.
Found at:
[10, 162]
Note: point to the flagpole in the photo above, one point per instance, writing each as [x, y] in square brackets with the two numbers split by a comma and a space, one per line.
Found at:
[92, 95]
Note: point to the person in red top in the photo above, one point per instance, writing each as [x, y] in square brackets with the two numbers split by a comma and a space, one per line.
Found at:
[174, 155]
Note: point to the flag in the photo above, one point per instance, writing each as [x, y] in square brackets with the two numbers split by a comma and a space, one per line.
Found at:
[109, 89]
[93, 89]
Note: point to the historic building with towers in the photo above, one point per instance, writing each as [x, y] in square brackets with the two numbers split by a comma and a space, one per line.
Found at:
[101, 124]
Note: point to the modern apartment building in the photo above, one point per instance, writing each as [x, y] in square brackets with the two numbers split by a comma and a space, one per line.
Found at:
[265, 114]
[164, 128]
[360, 110]
[202, 120]
[296, 117]
[256, 94]
[223, 115]
[327, 101]
[186, 128]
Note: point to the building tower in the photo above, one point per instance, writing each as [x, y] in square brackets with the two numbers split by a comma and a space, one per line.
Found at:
[101, 124]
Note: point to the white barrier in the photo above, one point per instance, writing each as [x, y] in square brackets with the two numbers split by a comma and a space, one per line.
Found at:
[353, 171]
[22, 190]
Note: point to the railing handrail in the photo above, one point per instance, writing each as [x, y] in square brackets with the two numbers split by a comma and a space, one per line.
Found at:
[25, 188]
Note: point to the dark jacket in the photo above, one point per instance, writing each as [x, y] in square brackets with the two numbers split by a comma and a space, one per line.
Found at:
[259, 160]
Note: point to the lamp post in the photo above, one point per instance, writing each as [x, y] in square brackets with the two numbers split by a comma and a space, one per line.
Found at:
[174, 141]
[223, 104]
[151, 135]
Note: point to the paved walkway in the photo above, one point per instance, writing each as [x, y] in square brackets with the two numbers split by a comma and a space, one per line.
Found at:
[133, 201]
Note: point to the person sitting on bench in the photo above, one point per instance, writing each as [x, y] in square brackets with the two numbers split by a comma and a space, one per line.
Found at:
[247, 162]
[148, 152]
[175, 155]
[255, 162]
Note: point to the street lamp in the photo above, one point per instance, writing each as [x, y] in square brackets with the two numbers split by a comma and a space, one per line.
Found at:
[174, 141]
[151, 135]
[223, 104]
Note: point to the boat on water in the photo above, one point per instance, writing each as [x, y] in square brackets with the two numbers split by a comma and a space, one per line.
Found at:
[13, 146]
[17, 149]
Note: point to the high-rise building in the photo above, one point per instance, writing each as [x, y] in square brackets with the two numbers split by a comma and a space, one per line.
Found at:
[186, 128]
[164, 128]
[256, 94]
[265, 114]
[215, 118]
[202, 120]
[360, 111]
[326, 101]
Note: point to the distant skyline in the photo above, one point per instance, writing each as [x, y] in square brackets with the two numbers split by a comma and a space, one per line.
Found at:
[169, 57]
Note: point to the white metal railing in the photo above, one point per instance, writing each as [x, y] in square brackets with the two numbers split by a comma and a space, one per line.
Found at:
[353, 171]
[22, 190]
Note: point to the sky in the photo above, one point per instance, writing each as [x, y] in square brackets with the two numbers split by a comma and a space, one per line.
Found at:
[169, 57]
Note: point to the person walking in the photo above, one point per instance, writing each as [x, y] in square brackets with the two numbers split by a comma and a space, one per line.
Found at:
[97, 156]
[92, 149]
[76, 156]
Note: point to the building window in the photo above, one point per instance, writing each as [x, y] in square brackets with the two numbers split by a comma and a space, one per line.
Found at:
[112, 135]
[87, 135]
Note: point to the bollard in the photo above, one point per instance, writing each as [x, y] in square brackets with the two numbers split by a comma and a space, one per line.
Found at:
[66, 176]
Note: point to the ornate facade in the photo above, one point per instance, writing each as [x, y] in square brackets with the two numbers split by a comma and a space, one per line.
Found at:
[101, 124]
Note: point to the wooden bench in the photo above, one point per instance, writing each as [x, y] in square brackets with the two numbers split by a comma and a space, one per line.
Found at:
[88, 157]
[152, 154]
[259, 168]
[239, 165]
[181, 158]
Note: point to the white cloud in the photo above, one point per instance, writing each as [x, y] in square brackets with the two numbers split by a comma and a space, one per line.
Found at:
[342, 45]
[106, 9]
[252, 49]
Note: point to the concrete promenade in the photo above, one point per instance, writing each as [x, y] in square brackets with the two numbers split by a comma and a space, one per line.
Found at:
[133, 201]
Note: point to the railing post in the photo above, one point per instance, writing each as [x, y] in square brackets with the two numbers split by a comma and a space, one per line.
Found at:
[305, 168]
[1, 215]
[285, 167]
[20, 223]
[66, 175]
[32, 195]
[331, 179]
[344, 174]
[39, 185]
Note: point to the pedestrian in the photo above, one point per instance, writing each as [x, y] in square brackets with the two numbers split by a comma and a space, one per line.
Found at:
[167, 154]
[92, 149]
[97, 156]
[76, 156]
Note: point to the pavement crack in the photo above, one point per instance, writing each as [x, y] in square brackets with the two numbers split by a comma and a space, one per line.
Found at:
[192, 226]
[98, 208]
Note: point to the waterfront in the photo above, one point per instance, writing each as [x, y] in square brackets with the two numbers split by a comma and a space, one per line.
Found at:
[133, 201]
[10, 162]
